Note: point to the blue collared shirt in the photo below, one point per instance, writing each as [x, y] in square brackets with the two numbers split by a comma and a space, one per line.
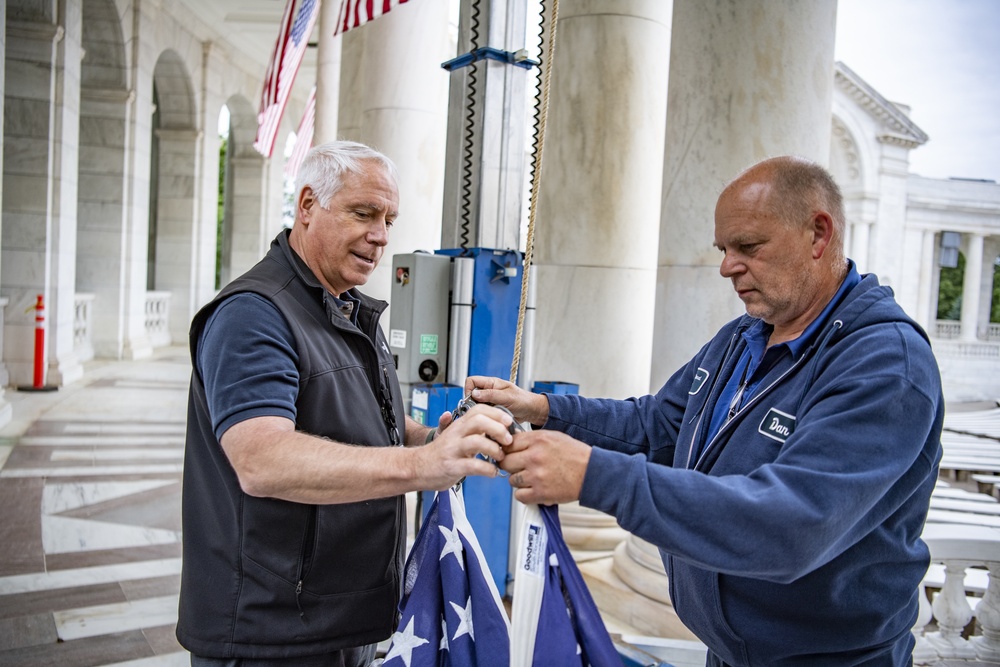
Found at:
[757, 358]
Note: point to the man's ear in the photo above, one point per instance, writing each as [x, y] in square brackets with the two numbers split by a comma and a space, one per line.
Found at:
[305, 204]
[822, 231]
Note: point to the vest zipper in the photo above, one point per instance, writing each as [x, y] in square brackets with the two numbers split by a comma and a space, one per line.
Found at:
[305, 556]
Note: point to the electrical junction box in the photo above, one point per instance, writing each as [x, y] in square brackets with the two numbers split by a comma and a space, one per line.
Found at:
[418, 320]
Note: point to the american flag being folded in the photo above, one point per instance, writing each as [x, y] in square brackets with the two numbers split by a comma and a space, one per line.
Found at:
[451, 612]
[555, 620]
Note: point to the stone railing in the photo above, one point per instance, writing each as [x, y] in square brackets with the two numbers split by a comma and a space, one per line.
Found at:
[83, 326]
[963, 350]
[158, 318]
[945, 631]
[947, 329]
[157, 315]
[952, 329]
[957, 624]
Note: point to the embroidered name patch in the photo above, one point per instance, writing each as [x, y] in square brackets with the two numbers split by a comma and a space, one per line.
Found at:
[777, 425]
[699, 381]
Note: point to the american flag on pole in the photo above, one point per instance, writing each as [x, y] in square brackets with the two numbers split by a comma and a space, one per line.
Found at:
[303, 137]
[451, 610]
[356, 13]
[296, 26]
[556, 622]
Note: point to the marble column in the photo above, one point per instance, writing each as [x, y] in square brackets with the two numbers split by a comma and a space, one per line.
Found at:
[991, 250]
[748, 80]
[402, 95]
[598, 204]
[972, 286]
[352, 80]
[251, 229]
[327, 75]
[926, 299]
[5, 409]
[860, 239]
[139, 150]
[102, 230]
[41, 133]
[176, 240]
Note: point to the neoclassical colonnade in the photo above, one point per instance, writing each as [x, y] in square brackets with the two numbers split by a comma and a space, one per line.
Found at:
[111, 170]
[111, 163]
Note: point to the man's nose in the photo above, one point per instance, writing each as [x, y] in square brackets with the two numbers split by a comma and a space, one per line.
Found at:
[379, 234]
[729, 266]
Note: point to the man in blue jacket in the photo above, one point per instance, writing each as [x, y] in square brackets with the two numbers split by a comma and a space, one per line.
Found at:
[784, 472]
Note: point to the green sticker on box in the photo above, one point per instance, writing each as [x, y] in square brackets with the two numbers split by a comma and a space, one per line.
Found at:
[428, 344]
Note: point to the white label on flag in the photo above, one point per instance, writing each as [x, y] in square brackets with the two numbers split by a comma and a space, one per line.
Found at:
[533, 553]
[397, 338]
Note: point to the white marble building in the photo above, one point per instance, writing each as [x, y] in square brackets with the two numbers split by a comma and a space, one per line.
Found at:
[111, 171]
[896, 220]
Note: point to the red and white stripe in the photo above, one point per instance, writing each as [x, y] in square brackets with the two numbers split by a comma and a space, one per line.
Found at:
[356, 13]
[296, 27]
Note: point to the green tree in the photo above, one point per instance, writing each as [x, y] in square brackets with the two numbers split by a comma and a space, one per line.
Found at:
[995, 309]
[220, 219]
[950, 291]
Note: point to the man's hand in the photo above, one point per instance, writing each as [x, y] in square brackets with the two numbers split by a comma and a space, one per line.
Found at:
[452, 454]
[546, 467]
[524, 405]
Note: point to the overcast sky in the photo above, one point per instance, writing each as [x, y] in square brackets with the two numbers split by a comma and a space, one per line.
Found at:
[942, 58]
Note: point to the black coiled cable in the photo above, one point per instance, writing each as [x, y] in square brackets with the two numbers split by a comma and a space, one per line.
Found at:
[468, 147]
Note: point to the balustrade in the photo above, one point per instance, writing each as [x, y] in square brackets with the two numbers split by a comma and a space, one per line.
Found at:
[158, 318]
[959, 548]
[954, 627]
[947, 329]
[83, 329]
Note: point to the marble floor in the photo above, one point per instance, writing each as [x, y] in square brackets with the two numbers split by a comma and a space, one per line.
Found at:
[90, 536]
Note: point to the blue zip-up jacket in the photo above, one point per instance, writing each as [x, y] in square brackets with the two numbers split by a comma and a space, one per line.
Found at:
[793, 538]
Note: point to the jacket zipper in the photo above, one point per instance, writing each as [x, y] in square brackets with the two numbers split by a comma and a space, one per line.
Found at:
[700, 412]
[753, 400]
[809, 353]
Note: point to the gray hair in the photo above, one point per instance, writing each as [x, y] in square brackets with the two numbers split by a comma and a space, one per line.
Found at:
[324, 166]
